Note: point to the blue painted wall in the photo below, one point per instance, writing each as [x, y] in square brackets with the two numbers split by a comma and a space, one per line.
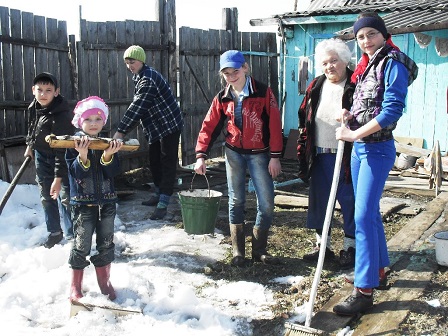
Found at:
[426, 114]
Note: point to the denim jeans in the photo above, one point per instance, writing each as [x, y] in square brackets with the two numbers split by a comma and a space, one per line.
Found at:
[87, 220]
[370, 164]
[236, 166]
[319, 193]
[53, 209]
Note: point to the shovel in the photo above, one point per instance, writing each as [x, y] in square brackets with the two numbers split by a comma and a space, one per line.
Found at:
[293, 329]
[14, 183]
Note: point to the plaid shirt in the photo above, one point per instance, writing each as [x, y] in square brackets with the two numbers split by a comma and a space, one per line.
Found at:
[154, 106]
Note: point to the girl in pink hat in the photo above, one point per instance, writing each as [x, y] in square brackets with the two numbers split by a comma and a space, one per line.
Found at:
[92, 197]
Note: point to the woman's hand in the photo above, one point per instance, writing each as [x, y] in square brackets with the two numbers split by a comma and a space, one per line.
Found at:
[344, 116]
[345, 134]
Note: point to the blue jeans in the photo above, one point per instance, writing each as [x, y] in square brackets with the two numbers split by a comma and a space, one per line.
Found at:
[320, 186]
[370, 164]
[236, 165]
[53, 209]
[87, 220]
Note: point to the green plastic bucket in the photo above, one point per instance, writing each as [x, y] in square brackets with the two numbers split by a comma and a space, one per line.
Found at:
[199, 209]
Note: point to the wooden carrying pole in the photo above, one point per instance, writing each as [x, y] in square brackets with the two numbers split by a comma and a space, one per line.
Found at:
[65, 141]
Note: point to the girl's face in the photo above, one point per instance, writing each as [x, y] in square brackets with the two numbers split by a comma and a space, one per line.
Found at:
[235, 77]
[133, 65]
[370, 40]
[333, 67]
[93, 125]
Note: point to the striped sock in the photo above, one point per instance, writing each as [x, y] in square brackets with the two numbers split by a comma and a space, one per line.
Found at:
[164, 200]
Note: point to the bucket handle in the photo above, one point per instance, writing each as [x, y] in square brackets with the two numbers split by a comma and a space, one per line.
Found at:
[208, 184]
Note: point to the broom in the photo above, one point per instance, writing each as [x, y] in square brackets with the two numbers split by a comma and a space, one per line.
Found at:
[293, 329]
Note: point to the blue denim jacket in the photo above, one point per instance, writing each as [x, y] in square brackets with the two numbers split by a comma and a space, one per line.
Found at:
[93, 185]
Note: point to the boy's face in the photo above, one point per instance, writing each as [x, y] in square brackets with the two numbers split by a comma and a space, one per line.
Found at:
[133, 65]
[44, 93]
[93, 125]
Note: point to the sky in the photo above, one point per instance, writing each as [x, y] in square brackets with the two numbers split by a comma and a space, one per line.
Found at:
[158, 270]
[201, 14]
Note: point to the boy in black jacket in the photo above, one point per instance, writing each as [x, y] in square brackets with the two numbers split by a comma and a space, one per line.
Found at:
[50, 114]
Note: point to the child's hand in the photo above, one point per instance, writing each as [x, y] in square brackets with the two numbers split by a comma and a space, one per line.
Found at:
[114, 146]
[200, 167]
[55, 188]
[82, 146]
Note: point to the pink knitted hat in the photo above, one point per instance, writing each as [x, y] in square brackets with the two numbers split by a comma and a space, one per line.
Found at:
[92, 105]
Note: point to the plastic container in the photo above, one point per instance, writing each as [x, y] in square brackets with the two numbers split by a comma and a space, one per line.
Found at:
[441, 240]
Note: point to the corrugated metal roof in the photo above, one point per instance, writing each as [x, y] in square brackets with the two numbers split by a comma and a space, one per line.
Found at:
[331, 7]
[413, 20]
[401, 16]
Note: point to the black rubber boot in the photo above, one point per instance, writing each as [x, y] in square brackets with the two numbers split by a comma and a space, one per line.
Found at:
[259, 245]
[238, 244]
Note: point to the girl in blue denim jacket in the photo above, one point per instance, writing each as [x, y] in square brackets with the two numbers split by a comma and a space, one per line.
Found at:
[92, 197]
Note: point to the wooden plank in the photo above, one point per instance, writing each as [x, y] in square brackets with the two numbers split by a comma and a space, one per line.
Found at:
[103, 64]
[65, 77]
[398, 300]
[28, 55]
[124, 81]
[291, 201]
[4, 30]
[53, 57]
[411, 150]
[16, 54]
[92, 60]
[416, 142]
[41, 59]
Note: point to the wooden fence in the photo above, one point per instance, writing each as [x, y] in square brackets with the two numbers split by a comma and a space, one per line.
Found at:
[199, 52]
[94, 65]
[30, 44]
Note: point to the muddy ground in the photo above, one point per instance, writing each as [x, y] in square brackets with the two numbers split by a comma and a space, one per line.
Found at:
[290, 240]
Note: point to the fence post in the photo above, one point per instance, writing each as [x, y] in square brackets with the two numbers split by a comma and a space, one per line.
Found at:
[230, 23]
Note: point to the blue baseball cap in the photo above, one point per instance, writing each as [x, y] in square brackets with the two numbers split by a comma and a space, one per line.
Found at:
[231, 59]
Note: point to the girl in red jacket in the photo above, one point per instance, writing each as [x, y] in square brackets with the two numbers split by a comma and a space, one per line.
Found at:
[248, 111]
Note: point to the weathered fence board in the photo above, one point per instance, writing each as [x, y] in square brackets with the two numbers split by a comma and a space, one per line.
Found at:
[199, 79]
[94, 65]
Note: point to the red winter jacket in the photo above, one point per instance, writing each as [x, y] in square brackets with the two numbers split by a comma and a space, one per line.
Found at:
[262, 129]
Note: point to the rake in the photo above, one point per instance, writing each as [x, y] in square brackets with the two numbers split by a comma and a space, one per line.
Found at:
[293, 329]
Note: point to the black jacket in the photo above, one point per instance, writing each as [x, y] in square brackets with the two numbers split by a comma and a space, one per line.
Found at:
[54, 119]
[307, 114]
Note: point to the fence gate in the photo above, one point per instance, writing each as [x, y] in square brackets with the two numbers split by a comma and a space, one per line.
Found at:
[199, 82]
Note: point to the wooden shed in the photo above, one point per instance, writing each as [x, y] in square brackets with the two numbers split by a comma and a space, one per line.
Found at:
[418, 27]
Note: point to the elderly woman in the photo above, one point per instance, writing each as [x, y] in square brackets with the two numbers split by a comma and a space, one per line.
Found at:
[324, 99]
